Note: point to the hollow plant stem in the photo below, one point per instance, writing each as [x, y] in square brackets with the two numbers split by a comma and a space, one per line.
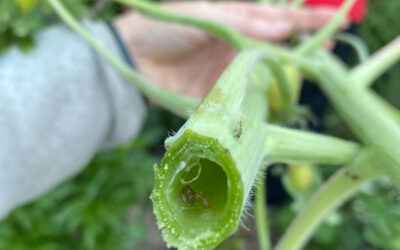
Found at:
[317, 40]
[178, 104]
[370, 70]
[339, 188]
[220, 133]
[261, 214]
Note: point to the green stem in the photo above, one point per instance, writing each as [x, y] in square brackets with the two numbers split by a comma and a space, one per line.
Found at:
[218, 30]
[316, 41]
[284, 145]
[339, 188]
[392, 111]
[364, 114]
[176, 103]
[218, 142]
[283, 85]
[307, 66]
[357, 43]
[281, 2]
[298, 3]
[261, 215]
[381, 61]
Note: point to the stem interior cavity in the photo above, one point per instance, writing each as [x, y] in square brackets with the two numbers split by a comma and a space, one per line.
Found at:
[204, 196]
[209, 198]
[210, 166]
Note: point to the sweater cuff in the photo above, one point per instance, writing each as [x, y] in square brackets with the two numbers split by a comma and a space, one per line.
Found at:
[128, 106]
[123, 50]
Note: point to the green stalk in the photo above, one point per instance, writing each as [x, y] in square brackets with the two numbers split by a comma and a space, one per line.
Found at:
[261, 215]
[356, 42]
[380, 62]
[307, 66]
[322, 35]
[218, 30]
[215, 153]
[339, 188]
[391, 111]
[364, 113]
[283, 85]
[178, 104]
[298, 3]
[284, 145]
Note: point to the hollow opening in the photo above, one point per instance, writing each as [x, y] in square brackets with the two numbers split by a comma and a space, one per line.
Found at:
[201, 189]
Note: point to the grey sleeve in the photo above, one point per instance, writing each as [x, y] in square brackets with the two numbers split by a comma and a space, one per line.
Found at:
[59, 105]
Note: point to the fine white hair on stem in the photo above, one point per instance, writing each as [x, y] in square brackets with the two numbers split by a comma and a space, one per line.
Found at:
[249, 205]
[189, 112]
[171, 133]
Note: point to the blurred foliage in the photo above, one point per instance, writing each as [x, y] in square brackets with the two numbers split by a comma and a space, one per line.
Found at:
[92, 210]
[21, 19]
[300, 196]
[382, 26]
[371, 219]
[378, 210]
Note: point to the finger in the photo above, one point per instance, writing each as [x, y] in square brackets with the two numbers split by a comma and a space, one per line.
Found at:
[255, 10]
[276, 31]
[302, 19]
[312, 19]
[251, 25]
[238, 18]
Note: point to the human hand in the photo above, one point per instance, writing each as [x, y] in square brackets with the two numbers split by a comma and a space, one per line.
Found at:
[186, 60]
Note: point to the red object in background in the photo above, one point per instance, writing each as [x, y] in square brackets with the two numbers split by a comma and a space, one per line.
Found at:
[356, 14]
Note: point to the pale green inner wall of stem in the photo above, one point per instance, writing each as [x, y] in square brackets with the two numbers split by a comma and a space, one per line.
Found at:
[213, 184]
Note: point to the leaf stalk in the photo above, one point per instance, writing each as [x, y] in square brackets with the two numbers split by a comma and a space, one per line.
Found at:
[339, 188]
[366, 73]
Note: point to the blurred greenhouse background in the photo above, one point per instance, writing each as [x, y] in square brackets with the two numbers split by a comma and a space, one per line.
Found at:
[107, 206]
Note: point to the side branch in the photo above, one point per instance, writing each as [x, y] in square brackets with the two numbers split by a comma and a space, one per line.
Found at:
[340, 187]
[223, 32]
[369, 71]
[356, 42]
[286, 145]
[261, 215]
[316, 41]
